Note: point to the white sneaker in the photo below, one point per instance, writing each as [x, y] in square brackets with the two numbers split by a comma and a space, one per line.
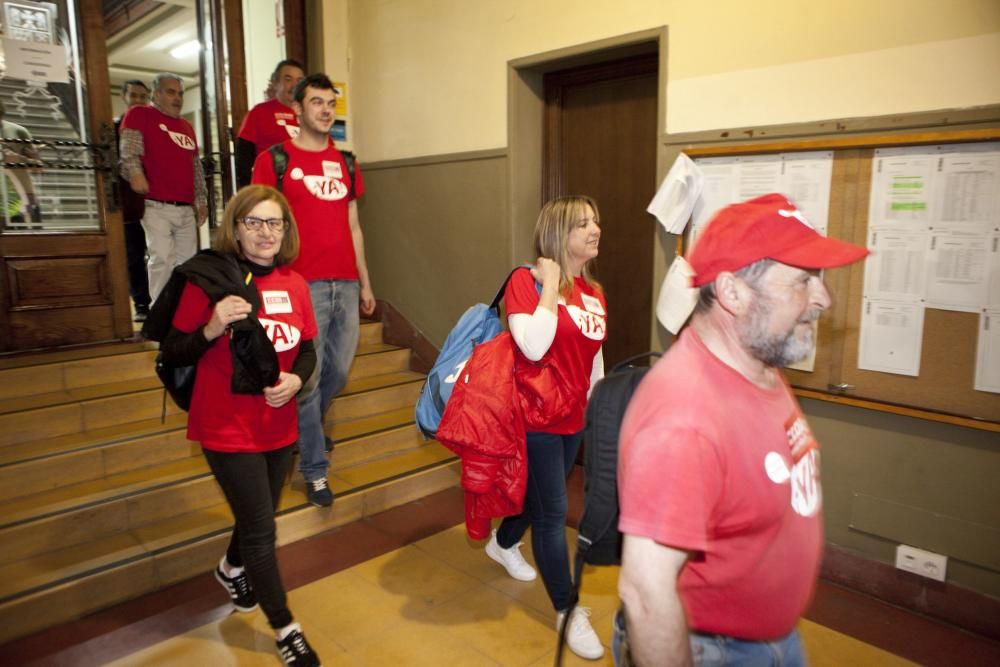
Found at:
[511, 559]
[581, 637]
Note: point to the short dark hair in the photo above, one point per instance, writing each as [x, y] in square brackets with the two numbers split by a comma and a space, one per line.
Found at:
[134, 82]
[319, 81]
[287, 62]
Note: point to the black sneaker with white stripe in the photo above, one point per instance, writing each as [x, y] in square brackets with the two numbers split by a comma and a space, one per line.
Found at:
[318, 493]
[296, 651]
[238, 588]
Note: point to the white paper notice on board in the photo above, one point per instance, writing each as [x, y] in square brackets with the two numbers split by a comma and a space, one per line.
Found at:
[988, 351]
[968, 185]
[718, 190]
[33, 61]
[891, 338]
[806, 181]
[895, 269]
[957, 271]
[901, 186]
[993, 290]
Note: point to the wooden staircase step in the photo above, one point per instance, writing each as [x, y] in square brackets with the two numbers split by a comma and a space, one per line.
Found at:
[28, 381]
[376, 446]
[42, 590]
[77, 395]
[382, 394]
[369, 333]
[27, 359]
[342, 429]
[392, 360]
[39, 449]
[96, 412]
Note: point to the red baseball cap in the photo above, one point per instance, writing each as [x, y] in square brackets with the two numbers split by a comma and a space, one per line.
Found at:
[769, 226]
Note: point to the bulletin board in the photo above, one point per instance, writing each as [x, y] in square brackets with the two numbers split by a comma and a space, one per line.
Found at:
[944, 388]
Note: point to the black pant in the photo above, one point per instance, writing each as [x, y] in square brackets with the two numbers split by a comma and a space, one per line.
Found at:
[252, 486]
[135, 256]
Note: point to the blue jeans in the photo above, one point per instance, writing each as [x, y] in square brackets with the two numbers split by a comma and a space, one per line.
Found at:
[335, 304]
[717, 650]
[550, 460]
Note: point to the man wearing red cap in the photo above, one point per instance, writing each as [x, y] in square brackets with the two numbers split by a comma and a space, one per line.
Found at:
[718, 470]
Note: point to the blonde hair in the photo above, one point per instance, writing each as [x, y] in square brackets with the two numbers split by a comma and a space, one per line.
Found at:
[555, 222]
[239, 206]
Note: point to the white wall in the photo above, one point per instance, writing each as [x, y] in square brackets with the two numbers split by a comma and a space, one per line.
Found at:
[429, 76]
[264, 49]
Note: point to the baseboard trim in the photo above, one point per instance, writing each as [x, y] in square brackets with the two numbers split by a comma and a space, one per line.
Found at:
[961, 607]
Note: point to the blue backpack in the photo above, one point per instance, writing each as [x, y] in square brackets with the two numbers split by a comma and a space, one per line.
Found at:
[478, 324]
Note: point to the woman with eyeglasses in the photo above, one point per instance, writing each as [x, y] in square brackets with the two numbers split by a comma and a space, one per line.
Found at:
[248, 438]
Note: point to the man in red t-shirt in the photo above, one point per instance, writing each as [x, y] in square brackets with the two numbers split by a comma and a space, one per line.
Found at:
[718, 470]
[322, 191]
[159, 154]
[270, 122]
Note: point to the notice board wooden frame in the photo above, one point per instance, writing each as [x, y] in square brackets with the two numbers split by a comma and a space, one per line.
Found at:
[944, 389]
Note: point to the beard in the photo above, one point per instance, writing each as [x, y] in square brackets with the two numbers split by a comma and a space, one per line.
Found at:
[776, 350]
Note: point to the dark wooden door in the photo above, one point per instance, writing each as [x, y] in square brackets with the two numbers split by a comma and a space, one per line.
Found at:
[600, 140]
[62, 259]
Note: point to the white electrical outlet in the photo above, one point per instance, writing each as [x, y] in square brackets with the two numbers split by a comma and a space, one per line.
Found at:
[924, 563]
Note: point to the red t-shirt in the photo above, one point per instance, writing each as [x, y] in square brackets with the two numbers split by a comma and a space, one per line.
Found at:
[580, 331]
[317, 186]
[269, 123]
[711, 463]
[221, 420]
[169, 151]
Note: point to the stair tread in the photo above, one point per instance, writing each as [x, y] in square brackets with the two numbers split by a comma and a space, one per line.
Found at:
[359, 385]
[382, 421]
[77, 395]
[34, 449]
[56, 566]
[37, 358]
[68, 498]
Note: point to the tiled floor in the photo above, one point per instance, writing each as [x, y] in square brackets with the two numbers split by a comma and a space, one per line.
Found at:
[438, 601]
[407, 587]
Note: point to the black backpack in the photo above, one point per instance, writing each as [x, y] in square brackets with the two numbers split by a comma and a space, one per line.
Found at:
[598, 540]
[279, 157]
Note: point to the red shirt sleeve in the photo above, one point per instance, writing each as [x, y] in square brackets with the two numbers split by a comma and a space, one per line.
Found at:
[263, 170]
[132, 119]
[194, 309]
[669, 484]
[521, 295]
[309, 328]
[248, 128]
[359, 182]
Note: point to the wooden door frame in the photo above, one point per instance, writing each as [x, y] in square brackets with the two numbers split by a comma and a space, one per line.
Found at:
[525, 120]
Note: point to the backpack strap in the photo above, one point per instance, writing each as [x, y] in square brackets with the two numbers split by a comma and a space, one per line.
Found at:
[279, 156]
[495, 303]
[350, 159]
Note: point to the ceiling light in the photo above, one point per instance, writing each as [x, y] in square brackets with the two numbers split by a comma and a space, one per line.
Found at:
[186, 49]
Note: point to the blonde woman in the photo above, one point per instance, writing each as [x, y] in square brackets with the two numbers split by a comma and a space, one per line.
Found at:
[566, 324]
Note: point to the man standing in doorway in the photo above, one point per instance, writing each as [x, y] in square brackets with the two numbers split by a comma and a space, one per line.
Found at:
[134, 94]
[160, 161]
[718, 469]
[322, 190]
[270, 122]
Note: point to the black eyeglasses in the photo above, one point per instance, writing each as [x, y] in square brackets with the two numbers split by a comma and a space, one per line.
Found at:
[256, 224]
